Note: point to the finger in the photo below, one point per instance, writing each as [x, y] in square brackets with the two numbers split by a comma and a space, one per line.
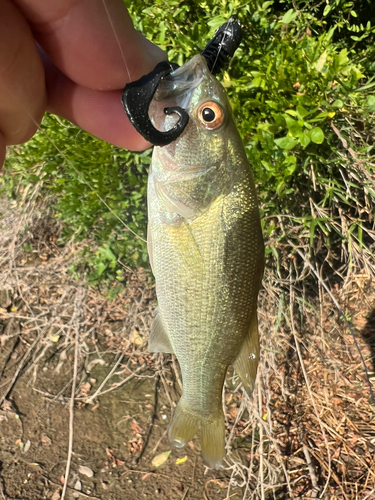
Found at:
[22, 89]
[98, 112]
[92, 41]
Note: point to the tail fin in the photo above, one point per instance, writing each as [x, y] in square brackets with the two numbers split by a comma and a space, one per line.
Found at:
[185, 424]
[213, 440]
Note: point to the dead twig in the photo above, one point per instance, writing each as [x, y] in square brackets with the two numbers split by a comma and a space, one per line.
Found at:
[152, 420]
[119, 384]
[261, 471]
[77, 309]
[81, 493]
[20, 366]
[154, 449]
[314, 481]
[2, 490]
[185, 494]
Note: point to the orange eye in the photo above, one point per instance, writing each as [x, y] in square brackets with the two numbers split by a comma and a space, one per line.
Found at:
[210, 115]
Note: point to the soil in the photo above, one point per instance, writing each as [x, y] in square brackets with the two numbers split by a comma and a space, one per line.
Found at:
[105, 435]
[308, 431]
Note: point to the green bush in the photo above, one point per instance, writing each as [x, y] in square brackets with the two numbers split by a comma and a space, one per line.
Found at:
[301, 87]
[98, 191]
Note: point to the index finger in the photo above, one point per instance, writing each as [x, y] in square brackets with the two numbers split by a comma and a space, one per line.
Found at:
[93, 42]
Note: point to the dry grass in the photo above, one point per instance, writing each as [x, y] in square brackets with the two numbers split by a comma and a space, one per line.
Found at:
[307, 432]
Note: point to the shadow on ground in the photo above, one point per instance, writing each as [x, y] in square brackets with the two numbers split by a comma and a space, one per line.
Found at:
[368, 335]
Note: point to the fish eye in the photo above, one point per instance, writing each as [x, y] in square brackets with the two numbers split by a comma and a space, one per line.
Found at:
[211, 115]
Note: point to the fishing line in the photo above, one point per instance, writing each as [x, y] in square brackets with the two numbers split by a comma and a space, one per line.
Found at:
[89, 185]
[70, 163]
[117, 39]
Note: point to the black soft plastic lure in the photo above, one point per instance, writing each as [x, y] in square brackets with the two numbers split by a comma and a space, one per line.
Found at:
[138, 95]
[223, 45]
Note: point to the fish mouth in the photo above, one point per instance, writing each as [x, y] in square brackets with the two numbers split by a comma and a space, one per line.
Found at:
[176, 90]
[181, 83]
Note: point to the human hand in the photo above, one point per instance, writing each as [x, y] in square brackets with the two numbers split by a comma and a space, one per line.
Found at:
[91, 50]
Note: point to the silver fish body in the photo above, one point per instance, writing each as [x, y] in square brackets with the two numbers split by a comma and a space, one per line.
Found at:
[206, 251]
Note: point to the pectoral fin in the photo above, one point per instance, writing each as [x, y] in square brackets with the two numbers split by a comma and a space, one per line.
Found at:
[159, 340]
[246, 363]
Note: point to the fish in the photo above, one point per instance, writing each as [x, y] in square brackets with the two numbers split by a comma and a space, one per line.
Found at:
[206, 252]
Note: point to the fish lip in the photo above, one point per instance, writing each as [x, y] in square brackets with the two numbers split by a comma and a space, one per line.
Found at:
[180, 84]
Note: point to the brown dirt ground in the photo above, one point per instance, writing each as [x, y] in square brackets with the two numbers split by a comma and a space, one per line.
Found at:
[308, 431]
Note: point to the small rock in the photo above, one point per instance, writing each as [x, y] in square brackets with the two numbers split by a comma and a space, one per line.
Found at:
[27, 446]
[78, 485]
[85, 470]
[56, 495]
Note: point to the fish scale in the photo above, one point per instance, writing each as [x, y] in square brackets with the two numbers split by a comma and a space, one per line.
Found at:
[206, 251]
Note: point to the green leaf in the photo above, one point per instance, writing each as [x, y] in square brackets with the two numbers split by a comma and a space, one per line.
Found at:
[290, 165]
[337, 104]
[293, 125]
[302, 112]
[291, 112]
[257, 82]
[286, 143]
[371, 103]
[107, 253]
[289, 16]
[327, 10]
[322, 116]
[319, 65]
[100, 268]
[312, 232]
[317, 135]
[365, 87]
[304, 139]
[217, 21]
[160, 459]
[280, 188]
[343, 57]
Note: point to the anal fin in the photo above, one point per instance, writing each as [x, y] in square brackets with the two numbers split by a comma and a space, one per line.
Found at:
[159, 339]
[247, 361]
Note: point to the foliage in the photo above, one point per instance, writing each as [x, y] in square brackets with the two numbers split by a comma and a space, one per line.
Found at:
[301, 87]
[308, 118]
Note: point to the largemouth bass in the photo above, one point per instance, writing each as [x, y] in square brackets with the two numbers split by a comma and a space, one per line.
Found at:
[206, 251]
